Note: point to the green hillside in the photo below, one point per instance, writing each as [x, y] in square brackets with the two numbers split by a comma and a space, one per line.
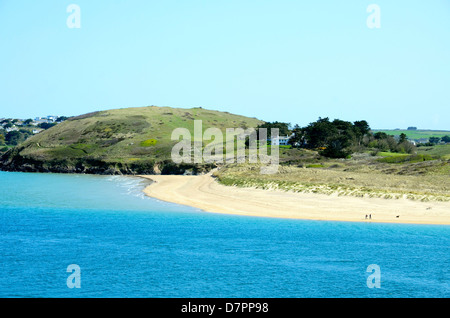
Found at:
[128, 140]
[415, 134]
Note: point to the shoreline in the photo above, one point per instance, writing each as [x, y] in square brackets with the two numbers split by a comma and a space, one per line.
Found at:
[205, 193]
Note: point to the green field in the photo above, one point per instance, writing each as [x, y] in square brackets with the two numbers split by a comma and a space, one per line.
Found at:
[415, 134]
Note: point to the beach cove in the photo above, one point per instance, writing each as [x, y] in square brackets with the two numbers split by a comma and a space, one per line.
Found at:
[205, 193]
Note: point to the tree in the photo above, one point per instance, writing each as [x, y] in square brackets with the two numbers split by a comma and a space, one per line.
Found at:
[403, 138]
[344, 127]
[28, 121]
[434, 140]
[317, 133]
[2, 139]
[445, 139]
[392, 143]
[298, 138]
[383, 145]
[361, 127]
[13, 138]
[380, 135]
[362, 130]
[283, 128]
[406, 147]
[337, 147]
[333, 138]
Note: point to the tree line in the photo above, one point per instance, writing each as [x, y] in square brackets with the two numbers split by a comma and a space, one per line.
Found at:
[339, 138]
[435, 140]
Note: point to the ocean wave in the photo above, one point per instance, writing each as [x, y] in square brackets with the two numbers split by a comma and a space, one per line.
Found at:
[133, 186]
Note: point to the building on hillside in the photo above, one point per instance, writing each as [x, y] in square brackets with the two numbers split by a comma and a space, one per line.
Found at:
[52, 118]
[13, 128]
[421, 140]
[41, 120]
[280, 140]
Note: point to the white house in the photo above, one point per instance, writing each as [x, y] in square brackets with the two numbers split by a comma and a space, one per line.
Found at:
[13, 128]
[280, 140]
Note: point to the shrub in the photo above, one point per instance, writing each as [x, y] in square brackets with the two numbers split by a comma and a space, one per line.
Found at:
[148, 142]
[374, 152]
[406, 158]
[314, 166]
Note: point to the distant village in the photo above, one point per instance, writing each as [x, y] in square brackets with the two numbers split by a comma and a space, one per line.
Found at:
[40, 123]
[15, 131]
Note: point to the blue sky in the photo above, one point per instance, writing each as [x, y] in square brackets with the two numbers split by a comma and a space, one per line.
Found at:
[291, 61]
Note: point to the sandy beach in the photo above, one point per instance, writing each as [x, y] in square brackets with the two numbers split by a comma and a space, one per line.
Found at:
[205, 193]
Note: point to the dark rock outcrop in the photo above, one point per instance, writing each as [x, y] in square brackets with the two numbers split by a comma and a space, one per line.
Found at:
[14, 161]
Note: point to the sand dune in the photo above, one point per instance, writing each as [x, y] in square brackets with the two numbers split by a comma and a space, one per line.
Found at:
[206, 193]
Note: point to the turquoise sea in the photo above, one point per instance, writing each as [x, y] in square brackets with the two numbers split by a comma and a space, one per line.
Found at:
[129, 245]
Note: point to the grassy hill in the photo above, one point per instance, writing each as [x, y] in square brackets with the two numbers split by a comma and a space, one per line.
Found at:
[415, 134]
[128, 141]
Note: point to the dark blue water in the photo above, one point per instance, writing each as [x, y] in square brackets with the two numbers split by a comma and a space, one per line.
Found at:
[128, 245]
